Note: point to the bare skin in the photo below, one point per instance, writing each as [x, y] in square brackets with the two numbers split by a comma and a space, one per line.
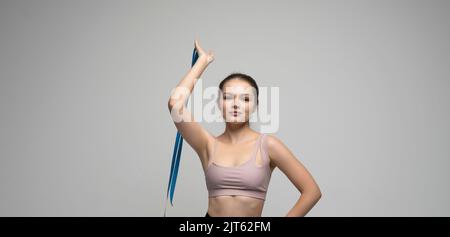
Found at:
[236, 143]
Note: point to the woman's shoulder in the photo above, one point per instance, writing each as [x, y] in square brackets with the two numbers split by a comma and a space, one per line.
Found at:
[271, 141]
[270, 144]
[269, 137]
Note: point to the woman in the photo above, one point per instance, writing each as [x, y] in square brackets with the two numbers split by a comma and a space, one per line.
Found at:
[238, 163]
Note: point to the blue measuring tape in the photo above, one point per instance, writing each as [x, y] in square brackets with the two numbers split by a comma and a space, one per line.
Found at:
[176, 156]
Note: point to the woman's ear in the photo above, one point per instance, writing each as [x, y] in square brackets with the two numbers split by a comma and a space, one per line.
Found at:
[254, 108]
[219, 99]
[253, 117]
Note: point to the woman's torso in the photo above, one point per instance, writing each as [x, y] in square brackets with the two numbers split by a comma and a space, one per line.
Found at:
[230, 156]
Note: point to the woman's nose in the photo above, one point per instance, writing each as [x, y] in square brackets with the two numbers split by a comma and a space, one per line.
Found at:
[236, 100]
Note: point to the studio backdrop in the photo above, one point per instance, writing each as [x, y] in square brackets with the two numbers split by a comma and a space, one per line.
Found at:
[363, 89]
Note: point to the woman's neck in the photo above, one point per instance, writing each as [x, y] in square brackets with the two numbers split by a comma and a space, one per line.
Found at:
[238, 133]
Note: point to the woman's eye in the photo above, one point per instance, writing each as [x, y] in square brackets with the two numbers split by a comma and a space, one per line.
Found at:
[226, 97]
[246, 99]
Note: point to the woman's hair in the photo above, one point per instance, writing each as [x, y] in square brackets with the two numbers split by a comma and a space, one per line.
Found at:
[244, 77]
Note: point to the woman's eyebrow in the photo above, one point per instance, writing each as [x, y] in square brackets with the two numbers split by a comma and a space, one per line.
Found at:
[235, 94]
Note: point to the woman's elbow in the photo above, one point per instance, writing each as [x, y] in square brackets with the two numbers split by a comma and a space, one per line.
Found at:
[172, 103]
[313, 193]
[319, 195]
[317, 192]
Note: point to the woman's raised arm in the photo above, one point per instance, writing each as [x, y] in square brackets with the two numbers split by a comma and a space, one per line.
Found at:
[194, 134]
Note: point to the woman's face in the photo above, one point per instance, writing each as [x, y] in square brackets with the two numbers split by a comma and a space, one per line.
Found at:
[237, 101]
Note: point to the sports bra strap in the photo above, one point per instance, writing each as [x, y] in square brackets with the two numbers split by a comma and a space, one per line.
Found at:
[264, 153]
[258, 145]
[213, 152]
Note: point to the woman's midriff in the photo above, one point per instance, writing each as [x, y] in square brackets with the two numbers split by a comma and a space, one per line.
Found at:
[235, 206]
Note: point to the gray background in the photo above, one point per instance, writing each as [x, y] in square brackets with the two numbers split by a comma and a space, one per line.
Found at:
[85, 129]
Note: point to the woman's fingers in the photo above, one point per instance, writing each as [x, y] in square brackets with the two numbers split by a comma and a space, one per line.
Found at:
[199, 49]
[209, 55]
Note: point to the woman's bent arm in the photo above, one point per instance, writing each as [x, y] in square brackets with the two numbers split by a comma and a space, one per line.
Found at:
[297, 173]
